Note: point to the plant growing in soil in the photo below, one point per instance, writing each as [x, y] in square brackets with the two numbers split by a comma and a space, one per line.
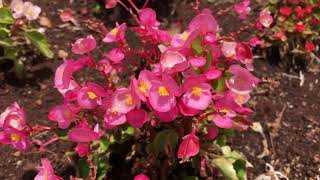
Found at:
[17, 33]
[172, 102]
[295, 31]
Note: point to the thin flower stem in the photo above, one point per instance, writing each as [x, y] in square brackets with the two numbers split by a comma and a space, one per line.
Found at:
[134, 6]
[146, 2]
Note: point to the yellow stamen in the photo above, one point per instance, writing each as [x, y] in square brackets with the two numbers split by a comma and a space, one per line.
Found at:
[240, 98]
[163, 91]
[68, 114]
[129, 100]
[196, 91]
[18, 7]
[143, 86]
[224, 110]
[91, 95]
[114, 31]
[15, 137]
[185, 36]
[29, 11]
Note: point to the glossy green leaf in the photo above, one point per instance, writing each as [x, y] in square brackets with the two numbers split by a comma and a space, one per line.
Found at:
[240, 167]
[83, 168]
[39, 41]
[219, 85]
[209, 60]
[103, 145]
[6, 16]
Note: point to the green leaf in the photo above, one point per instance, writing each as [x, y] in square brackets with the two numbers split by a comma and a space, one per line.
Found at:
[240, 167]
[83, 168]
[219, 85]
[103, 144]
[130, 131]
[7, 42]
[226, 168]
[190, 178]
[6, 16]
[4, 32]
[197, 46]
[39, 41]
[165, 138]
[19, 68]
[209, 60]
[10, 53]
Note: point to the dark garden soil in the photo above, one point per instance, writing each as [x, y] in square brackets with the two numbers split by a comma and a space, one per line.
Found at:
[289, 114]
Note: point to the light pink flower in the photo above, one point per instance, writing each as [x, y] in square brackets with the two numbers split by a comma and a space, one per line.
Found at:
[222, 121]
[115, 55]
[137, 118]
[31, 11]
[243, 9]
[82, 149]
[91, 95]
[116, 34]
[13, 117]
[124, 100]
[84, 45]
[148, 18]
[142, 86]
[189, 146]
[46, 171]
[265, 18]
[204, 22]
[63, 115]
[242, 81]
[173, 61]
[105, 66]
[141, 177]
[17, 8]
[112, 118]
[243, 53]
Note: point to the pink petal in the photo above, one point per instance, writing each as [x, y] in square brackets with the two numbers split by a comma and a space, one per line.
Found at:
[82, 135]
[137, 118]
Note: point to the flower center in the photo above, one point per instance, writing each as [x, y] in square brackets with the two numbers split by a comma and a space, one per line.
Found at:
[163, 91]
[29, 11]
[185, 36]
[240, 98]
[68, 114]
[224, 110]
[18, 7]
[114, 31]
[91, 95]
[143, 86]
[129, 100]
[15, 137]
[196, 91]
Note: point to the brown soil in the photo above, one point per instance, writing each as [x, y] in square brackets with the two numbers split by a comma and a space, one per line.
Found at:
[294, 144]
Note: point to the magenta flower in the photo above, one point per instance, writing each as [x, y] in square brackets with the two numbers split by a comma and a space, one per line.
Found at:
[240, 99]
[105, 66]
[265, 18]
[63, 115]
[243, 53]
[13, 117]
[83, 135]
[197, 93]
[91, 95]
[19, 139]
[142, 86]
[168, 116]
[213, 73]
[204, 22]
[82, 149]
[243, 9]
[137, 118]
[148, 18]
[114, 118]
[187, 111]
[30, 11]
[197, 61]
[124, 100]
[179, 40]
[242, 81]
[189, 146]
[115, 55]
[84, 45]
[17, 8]
[162, 94]
[173, 61]
[46, 171]
[116, 34]
[224, 122]
[141, 177]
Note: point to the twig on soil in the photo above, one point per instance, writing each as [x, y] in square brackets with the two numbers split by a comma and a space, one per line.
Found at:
[258, 128]
[300, 77]
[271, 174]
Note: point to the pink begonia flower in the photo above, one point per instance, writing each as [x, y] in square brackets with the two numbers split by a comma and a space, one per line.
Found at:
[265, 18]
[113, 119]
[18, 139]
[82, 149]
[255, 42]
[168, 116]
[189, 146]
[228, 49]
[212, 133]
[66, 15]
[213, 74]
[224, 122]
[17, 8]
[73, 86]
[162, 94]
[173, 61]
[240, 99]
[197, 61]
[137, 118]
[115, 55]
[124, 100]
[179, 40]
[63, 115]
[281, 35]
[30, 11]
[91, 95]
[46, 171]
[13, 117]
[242, 81]
[243, 53]
[148, 18]
[243, 9]
[105, 66]
[116, 34]
[204, 22]
[197, 93]
[83, 135]
[64, 73]
[141, 177]
[187, 111]
[109, 4]
[84, 45]
[143, 84]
